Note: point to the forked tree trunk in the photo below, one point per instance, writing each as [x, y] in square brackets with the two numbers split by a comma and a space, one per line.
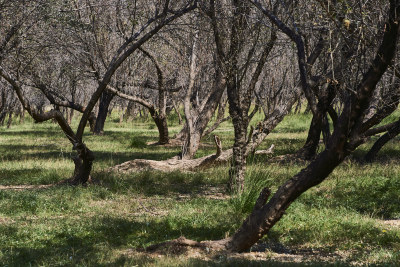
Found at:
[318, 123]
[202, 118]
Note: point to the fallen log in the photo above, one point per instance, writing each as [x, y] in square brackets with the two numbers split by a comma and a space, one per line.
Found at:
[175, 163]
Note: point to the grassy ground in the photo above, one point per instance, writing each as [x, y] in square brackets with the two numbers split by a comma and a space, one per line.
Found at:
[342, 221]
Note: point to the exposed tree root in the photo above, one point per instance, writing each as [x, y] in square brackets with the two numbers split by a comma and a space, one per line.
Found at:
[268, 151]
[177, 245]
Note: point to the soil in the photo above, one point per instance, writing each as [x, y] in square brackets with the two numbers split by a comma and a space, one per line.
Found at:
[23, 187]
[263, 252]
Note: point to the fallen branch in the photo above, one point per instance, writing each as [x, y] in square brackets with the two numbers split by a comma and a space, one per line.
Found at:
[270, 150]
[175, 163]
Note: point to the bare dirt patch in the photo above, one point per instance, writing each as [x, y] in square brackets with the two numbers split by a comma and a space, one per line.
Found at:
[24, 187]
[392, 223]
[264, 252]
[4, 220]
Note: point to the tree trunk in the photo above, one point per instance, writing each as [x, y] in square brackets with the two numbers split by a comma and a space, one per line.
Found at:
[309, 149]
[264, 216]
[391, 133]
[105, 101]
[162, 126]
[238, 165]
[83, 165]
[130, 112]
[208, 107]
[70, 115]
[240, 121]
[22, 116]
[319, 122]
[3, 115]
[9, 120]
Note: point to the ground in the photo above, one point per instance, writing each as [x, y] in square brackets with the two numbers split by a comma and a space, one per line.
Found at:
[350, 219]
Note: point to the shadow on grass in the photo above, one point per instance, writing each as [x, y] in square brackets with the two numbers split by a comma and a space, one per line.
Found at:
[93, 241]
[376, 196]
[152, 183]
[21, 152]
[386, 155]
[33, 133]
[217, 261]
[9, 176]
[94, 245]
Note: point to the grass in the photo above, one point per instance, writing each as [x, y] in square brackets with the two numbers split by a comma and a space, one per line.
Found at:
[104, 224]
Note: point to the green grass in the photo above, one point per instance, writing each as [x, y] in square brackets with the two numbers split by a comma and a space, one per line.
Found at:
[105, 223]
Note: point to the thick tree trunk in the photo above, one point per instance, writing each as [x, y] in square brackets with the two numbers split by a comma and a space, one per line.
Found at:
[391, 133]
[105, 101]
[192, 140]
[264, 216]
[83, 165]
[162, 126]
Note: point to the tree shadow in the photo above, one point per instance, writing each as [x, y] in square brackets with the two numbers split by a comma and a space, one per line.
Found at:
[23, 152]
[33, 133]
[153, 183]
[83, 244]
[17, 176]
[100, 236]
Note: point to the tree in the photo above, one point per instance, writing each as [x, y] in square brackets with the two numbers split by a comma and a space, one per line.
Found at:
[165, 13]
[349, 132]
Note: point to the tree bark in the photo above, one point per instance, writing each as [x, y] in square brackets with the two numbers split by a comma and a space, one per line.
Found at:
[391, 133]
[9, 119]
[346, 137]
[343, 141]
[105, 100]
[162, 126]
[83, 164]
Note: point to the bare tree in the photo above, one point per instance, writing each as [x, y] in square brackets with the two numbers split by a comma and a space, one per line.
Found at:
[349, 132]
[165, 14]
